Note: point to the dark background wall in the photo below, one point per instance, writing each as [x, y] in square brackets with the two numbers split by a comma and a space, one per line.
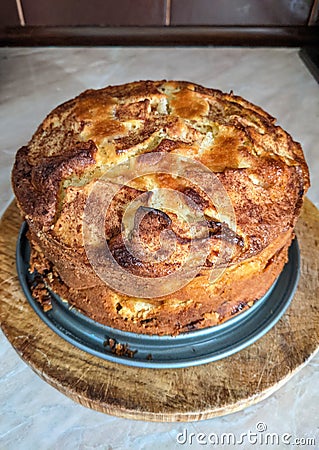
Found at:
[171, 21]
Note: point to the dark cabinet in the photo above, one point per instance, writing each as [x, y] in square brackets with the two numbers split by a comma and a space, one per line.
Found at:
[163, 22]
[94, 12]
[158, 12]
[240, 12]
[9, 13]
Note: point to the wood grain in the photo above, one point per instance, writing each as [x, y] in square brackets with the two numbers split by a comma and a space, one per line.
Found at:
[192, 393]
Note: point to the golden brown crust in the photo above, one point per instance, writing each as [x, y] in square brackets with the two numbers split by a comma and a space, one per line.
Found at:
[259, 165]
[198, 305]
[37, 186]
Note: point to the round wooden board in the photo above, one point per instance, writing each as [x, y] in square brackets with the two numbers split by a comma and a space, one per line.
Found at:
[193, 393]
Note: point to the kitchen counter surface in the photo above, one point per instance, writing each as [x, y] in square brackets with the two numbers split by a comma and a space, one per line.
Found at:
[33, 415]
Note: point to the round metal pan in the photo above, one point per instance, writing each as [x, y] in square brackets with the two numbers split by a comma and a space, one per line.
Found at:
[163, 352]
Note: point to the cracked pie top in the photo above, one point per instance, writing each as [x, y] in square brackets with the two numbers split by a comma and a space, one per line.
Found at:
[125, 187]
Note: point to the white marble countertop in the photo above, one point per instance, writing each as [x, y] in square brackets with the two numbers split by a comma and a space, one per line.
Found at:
[33, 415]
